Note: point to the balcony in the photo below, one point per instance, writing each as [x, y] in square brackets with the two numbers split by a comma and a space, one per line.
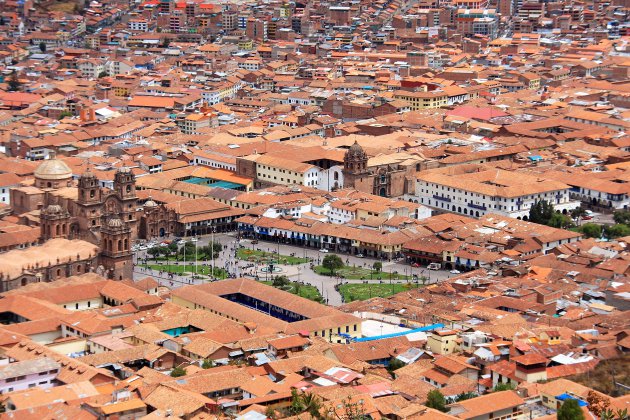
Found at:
[437, 197]
[477, 206]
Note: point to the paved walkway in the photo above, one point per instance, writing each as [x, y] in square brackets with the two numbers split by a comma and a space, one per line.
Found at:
[301, 272]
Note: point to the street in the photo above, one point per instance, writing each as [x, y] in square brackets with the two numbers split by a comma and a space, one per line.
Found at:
[299, 272]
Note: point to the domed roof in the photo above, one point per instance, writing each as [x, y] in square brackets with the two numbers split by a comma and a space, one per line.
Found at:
[53, 169]
[88, 174]
[115, 222]
[150, 203]
[54, 209]
[356, 150]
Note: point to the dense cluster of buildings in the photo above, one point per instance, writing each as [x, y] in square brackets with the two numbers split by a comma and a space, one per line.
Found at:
[422, 133]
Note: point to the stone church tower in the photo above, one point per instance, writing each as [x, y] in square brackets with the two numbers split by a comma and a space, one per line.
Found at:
[55, 222]
[89, 202]
[125, 189]
[116, 256]
[355, 163]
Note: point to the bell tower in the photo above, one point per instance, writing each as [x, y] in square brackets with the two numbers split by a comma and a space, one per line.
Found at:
[355, 163]
[116, 256]
[125, 189]
[55, 222]
[89, 201]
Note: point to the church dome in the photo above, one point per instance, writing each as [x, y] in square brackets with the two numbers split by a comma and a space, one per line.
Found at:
[88, 174]
[54, 209]
[53, 170]
[115, 222]
[356, 150]
[150, 203]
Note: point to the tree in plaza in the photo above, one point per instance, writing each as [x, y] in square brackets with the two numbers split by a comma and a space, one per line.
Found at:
[332, 262]
[280, 281]
[541, 212]
[570, 410]
[154, 252]
[212, 248]
[436, 400]
[173, 247]
[560, 221]
[578, 213]
[178, 371]
[189, 250]
[377, 266]
[591, 230]
[42, 47]
[622, 216]
[617, 231]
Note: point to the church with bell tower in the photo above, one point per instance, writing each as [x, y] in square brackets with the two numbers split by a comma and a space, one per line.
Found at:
[83, 210]
[386, 179]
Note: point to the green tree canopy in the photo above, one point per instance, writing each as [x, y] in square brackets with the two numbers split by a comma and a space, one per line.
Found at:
[570, 410]
[377, 266]
[280, 281]
[617, 231]
[436, 400]
[503, 387]
[622, 216]
[394, 364]
[541, 212]
[42, 47]
[14, 83]
[178, 371]
[332, 262]
[591, 230]
[560, 221]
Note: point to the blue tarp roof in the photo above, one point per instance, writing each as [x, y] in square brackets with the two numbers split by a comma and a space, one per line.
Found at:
[563, 397]
[399, 334]
[534, 158]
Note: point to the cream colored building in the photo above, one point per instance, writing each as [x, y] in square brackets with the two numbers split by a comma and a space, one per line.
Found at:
[442, 341]
[275, 170]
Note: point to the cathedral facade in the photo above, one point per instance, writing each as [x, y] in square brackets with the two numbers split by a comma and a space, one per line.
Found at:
[88, 212]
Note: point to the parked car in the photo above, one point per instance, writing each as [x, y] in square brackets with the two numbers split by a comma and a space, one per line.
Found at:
[416, 265]
[360, 255]
[193, 239]
[254, 242]
[455, 272]
[181, 242]
[324, 250]
[434, 266]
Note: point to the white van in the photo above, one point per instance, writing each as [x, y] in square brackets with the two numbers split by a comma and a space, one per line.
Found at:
[434, 266]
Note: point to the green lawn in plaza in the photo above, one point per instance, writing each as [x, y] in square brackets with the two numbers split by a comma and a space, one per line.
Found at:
[247, 254]
[360, 273]
[187, 269]
[303, 290]
[362, 291]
